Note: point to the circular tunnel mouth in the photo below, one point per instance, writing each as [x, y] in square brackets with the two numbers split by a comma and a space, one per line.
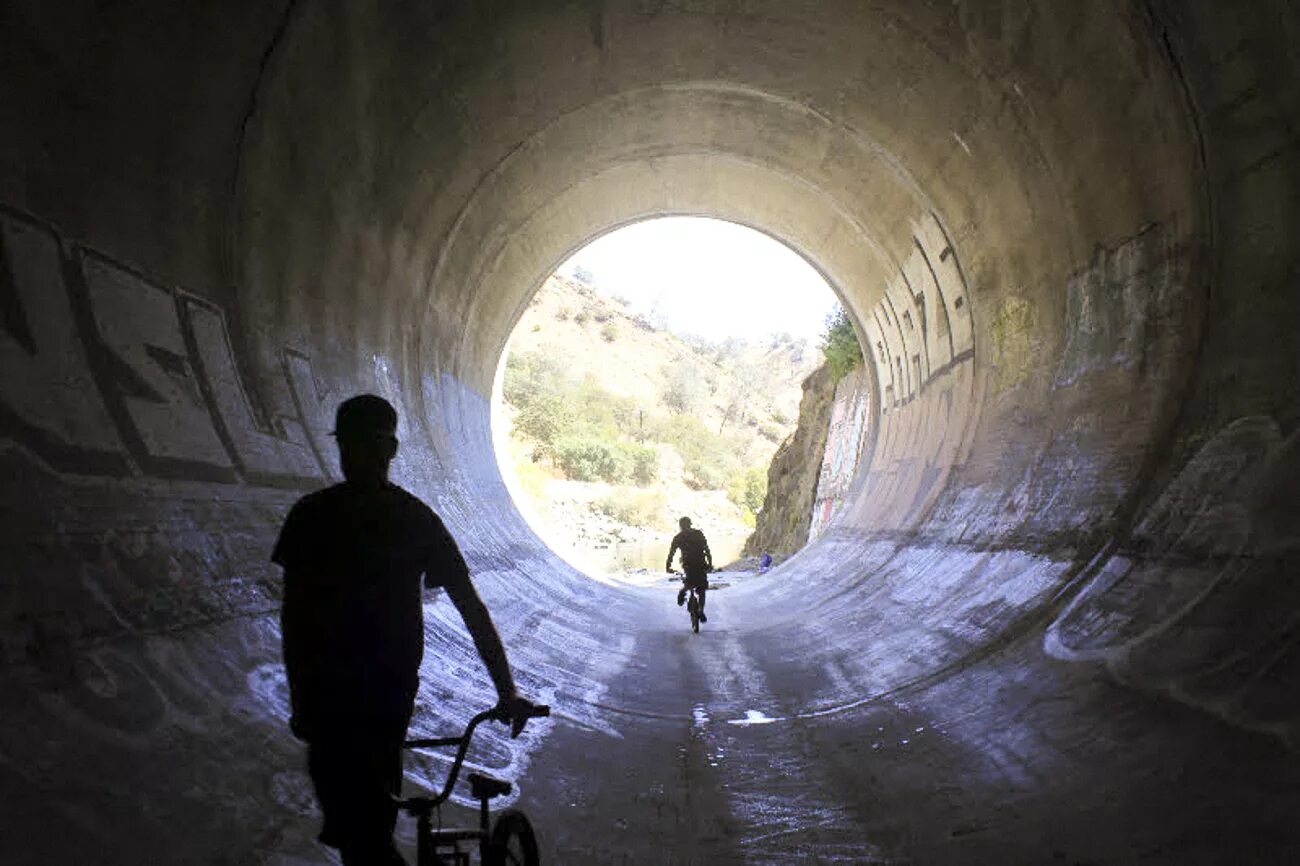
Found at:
[896, 434]
[826, 191]
[707, 331]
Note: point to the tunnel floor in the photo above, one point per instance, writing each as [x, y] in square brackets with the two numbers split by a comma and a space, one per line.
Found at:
[1016, 759]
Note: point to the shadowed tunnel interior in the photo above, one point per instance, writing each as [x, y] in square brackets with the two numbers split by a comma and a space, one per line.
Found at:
[1057, 616]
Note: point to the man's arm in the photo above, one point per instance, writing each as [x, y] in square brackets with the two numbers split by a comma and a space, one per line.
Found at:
[484, 632]
[672, 551]
[708, 555]
[447, 561]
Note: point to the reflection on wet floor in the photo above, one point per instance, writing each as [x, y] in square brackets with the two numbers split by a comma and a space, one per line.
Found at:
[753, 717]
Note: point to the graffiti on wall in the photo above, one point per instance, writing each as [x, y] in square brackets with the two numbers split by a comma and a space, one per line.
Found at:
[845, 442]
[921, 345]
[107, 372]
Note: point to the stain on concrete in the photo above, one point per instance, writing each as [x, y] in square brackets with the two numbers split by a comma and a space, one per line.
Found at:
[1014, 342]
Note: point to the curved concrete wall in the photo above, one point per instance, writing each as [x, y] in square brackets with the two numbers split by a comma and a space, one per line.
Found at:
[1062, 228]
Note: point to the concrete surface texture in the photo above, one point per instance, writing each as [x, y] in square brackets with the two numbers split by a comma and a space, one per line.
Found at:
[1055, 619]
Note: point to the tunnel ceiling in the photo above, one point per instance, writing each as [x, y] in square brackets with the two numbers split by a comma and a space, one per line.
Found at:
[1063, 231]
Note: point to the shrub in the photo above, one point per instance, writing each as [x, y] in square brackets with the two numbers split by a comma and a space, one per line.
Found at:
[609, 332]
[748, 487]
[529, 374]
[683, 391]
[632, 507]
[642, 461]
[587, 458]
[708, 458]
[545, 418]
[532, 478]
[840, 344]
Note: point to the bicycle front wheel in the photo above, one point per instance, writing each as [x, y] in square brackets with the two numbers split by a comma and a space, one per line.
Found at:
[512, 842]
[695, 614]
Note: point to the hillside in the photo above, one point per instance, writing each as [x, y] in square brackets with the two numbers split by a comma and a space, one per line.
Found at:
[616, 427]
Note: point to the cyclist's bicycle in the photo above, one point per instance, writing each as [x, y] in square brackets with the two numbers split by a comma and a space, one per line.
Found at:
[508, 842]
[692, 604]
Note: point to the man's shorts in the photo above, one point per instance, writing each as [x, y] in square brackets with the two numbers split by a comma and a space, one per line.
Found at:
[696, 580]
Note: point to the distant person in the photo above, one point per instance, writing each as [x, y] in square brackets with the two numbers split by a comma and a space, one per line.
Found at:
[697, 562]
[353, 628]
[765, 561]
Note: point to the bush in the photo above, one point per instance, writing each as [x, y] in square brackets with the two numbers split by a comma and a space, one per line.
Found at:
[748, 488]
[632, 507]
[609, 332]
[683, 391]
[532, 478]
[642, 462]
[840, 344]
[586, 458]
[545, 418]
[529, 374]
[709, 459]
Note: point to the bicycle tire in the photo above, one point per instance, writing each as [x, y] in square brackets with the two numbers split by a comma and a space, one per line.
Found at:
[512, 842]
[695, 614]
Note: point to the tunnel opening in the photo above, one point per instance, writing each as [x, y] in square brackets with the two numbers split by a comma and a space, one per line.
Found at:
[656, 373]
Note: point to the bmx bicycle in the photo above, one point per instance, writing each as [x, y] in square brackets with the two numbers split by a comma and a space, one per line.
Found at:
[509, 841]
[692, 604]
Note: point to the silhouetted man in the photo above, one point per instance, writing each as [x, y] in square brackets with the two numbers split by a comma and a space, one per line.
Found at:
[353, 627]
[697, 562]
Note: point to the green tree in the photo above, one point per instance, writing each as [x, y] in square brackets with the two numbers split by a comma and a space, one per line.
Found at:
[545, 419]
[683, 391]
[588, 458]
[748, 488]
[840, 344]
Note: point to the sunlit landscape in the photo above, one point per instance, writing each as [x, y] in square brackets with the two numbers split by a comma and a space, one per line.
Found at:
[653, 376]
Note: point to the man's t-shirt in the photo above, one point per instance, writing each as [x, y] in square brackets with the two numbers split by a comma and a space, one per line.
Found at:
[693, 545]
[353, 619]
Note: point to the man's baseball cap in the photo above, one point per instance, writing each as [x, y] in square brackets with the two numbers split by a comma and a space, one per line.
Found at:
[365, 415]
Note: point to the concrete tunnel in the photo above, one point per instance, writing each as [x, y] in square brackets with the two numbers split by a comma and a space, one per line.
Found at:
[1055, 620]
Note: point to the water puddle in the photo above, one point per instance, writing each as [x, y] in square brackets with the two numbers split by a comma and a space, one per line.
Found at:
[753, 717]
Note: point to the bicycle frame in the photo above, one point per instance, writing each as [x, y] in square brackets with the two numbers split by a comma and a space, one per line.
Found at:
[428, 839]
[462, 744]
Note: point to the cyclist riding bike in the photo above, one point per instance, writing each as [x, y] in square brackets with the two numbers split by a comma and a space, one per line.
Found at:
[697, 562]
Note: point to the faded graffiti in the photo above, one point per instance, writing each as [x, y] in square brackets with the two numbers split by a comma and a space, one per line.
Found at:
[921, 345]
[1203, 602]
[850, 425]
[1118, 308]
[108, 372]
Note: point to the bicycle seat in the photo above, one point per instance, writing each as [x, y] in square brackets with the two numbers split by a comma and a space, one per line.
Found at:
[484, 787]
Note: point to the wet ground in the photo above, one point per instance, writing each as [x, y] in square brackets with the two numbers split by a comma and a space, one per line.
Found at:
[1017, 760]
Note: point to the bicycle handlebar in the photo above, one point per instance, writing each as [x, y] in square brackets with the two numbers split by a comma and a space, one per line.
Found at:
[496, 714]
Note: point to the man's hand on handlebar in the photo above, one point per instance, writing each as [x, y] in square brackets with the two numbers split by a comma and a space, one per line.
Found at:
[517, 711]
